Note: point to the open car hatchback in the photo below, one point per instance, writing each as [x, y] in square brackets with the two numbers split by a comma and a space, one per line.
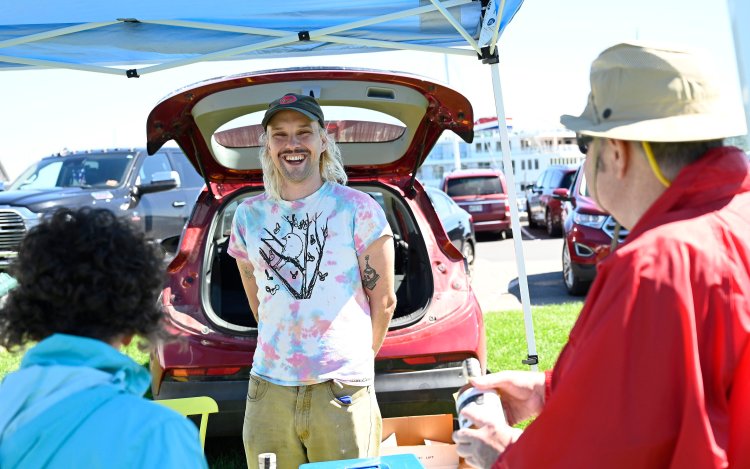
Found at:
[385, 124]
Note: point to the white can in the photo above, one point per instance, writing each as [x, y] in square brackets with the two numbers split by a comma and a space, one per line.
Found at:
[486, 402]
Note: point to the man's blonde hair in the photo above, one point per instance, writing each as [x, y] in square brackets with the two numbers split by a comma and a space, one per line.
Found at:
[331, 165]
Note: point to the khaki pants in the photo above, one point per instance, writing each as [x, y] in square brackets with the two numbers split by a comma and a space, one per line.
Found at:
[313, 423]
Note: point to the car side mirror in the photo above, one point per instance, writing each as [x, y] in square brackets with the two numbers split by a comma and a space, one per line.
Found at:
[160, 181]
[561, 193]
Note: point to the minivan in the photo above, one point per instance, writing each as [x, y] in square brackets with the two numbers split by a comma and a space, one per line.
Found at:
[484, 194]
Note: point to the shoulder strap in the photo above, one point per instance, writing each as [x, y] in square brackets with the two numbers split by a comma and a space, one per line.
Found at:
[39, 440]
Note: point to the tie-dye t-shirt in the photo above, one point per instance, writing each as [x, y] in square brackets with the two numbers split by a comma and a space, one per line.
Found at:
[314, 316]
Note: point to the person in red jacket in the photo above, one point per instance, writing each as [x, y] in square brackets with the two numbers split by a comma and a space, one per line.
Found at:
[656, 371]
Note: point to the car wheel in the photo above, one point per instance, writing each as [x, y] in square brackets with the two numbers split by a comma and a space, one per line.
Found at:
[573, 284]
[532, 222]
[552, 229]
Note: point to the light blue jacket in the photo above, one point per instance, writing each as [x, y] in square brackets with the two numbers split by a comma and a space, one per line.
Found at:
[76, 402]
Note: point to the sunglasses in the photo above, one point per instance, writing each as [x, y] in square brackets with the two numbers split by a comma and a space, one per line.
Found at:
[584, 141]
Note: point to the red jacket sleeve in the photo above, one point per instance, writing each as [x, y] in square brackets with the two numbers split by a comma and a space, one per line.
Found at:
[627, 390]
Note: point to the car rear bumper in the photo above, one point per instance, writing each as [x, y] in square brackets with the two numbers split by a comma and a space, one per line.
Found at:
[399, 394]
[492, 225]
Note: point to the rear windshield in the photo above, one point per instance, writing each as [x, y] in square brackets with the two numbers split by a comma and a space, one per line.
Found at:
[474, 186]
[86, 171]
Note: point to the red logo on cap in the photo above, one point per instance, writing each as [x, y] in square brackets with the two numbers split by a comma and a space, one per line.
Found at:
[288, 99]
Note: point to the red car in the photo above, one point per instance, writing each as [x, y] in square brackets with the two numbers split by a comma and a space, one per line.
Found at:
[588, 232]
[484, 194]
[438, 321]
[542, 208]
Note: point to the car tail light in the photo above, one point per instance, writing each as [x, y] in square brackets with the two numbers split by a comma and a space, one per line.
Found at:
[441, 358]
[219, 371]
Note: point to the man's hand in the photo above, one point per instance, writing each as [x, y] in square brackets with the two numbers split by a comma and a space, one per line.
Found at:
[521, 392]
[481, 446]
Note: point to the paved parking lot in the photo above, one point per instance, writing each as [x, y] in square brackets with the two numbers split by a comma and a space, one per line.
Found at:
[495, 277]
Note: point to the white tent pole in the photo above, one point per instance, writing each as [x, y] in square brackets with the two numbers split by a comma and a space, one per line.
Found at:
[222, 54]
[396, 45]
[68, 65]
[514, 217]
[227, 28]
[317, 33]
[739, 13]
[446, 14]
[318, 36]
[54, 33]
[389, 17]
[290, 38]
[496, 33]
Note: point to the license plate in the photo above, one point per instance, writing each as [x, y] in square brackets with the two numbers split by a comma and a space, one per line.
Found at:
[475, 208]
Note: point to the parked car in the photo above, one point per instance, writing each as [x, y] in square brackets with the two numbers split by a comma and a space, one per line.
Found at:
[484, 194]
[156, 192]
[438, 321]
[588, 234]
[458, 223]
[542, 208]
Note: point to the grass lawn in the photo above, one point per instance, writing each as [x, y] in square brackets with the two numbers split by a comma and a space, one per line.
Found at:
[506, 346]
[506, 335]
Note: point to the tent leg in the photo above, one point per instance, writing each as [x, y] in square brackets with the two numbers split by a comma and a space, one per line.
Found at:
[739, 12]
[532, 358]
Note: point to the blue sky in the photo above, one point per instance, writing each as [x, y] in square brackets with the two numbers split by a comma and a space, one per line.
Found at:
[545, 56]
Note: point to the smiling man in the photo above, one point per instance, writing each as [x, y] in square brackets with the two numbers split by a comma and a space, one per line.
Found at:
[316, 260]
[656, 372]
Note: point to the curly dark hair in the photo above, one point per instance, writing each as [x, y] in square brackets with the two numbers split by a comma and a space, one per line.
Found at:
[87, 273]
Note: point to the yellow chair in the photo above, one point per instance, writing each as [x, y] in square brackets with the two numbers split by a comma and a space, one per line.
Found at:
[202, 405]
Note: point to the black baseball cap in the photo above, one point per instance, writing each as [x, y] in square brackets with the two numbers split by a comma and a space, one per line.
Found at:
[301, 103]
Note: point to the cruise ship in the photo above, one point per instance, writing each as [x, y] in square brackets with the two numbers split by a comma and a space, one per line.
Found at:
[531, 152]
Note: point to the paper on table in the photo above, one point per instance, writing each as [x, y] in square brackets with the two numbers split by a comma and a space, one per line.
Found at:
[389, 442]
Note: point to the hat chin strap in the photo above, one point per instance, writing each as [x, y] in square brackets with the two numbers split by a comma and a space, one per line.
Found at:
[654, 166]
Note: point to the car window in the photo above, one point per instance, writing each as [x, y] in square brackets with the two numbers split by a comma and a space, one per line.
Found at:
[371, 126]
[474, 186]
[188, 174]
[441, 202]
[567, 179]
[157, 163]
[555, 179]
[540, 180]
[87, 171]
[44, 177]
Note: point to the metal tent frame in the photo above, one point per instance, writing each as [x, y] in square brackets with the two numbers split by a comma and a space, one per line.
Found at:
[59, 42]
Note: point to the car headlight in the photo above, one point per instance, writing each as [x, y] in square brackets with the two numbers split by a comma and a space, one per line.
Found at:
[587, 219]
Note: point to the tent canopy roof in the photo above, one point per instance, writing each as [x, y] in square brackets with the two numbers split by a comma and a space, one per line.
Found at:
[102, 37]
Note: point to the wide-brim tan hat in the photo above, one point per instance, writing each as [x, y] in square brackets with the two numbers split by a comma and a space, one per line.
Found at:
[647, 93]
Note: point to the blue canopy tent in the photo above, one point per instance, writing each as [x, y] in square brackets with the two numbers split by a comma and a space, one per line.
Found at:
[113, 37]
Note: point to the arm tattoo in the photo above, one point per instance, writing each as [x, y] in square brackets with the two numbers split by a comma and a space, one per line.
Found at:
[370, 276]
[248, 272]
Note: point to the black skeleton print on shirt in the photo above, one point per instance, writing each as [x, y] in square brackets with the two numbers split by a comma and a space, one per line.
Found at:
[295, 255]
